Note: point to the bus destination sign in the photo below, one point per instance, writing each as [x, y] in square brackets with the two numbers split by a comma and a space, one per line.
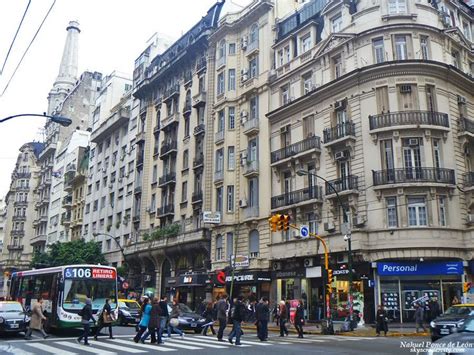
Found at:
[89, 273]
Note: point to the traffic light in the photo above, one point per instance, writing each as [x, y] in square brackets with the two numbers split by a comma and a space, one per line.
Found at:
[286, 222]
[274, 220]
[329, 281]
[466, 287]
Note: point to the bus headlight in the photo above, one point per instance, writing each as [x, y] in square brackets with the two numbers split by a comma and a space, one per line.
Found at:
[2, 320]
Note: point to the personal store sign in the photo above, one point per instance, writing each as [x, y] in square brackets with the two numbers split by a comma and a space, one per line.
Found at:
[420, 268]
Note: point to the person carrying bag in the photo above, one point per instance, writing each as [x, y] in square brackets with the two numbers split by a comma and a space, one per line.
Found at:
[106, 319]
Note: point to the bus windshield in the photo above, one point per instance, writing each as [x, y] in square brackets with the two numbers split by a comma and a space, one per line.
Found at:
[77, 290]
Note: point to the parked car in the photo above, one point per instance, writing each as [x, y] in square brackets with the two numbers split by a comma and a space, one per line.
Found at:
[450, 320]
[189, 320]
[13, 318]
[460, 342]
[128, 312]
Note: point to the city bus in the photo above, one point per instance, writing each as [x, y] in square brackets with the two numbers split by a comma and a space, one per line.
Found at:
[64, 290]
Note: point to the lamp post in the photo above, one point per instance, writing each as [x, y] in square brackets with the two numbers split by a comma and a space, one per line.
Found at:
[347, 236]
[96, 234]
[63, 121]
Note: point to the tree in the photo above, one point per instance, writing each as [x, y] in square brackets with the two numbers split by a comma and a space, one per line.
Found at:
[69, 253]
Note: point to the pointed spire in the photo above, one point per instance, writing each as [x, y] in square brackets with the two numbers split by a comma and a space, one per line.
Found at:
[68, 69]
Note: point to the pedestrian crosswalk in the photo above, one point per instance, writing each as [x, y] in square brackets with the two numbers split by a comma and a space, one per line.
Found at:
[190, 343]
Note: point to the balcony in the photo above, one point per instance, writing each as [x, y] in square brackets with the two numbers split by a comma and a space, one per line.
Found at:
[199, 129]
[167, 179]
[21, 188]
[414, 175]
[17, 233]
[469, 180]
[197, 197]
[201, 64]
[138, 189]
[219, 137]
[19, 218]
[199, 99]
[187, 108]
[220, 62]
[47, 181]
[306, 146]
[344, 185]
[218, 176]
[251, 168]
[409, 119]
[252, 47]
[466, 127]
[198, 162]
[67, 201]
[251, 126]
[39, 239]
[170, 120]
[172, 91]
[66, 219]
[339, 133]
[140, 137]
[165, 210]
[168, 148]
[15, 247]
[299, 197]
[20, 203]
[251, 212]
[22, 175]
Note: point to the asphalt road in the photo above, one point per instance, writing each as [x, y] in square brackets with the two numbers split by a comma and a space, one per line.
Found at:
[65, 344]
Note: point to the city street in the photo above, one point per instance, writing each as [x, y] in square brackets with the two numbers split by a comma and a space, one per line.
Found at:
[65, 344]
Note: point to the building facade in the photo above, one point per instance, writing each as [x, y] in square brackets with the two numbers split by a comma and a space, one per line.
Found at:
[375, 97]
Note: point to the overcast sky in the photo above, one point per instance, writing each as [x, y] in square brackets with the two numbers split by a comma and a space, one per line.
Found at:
[113, 34]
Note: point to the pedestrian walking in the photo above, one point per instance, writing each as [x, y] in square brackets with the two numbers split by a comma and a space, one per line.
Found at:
[173, 324]
[143, 325]
[209, 315]
[237, 314]
[299, 318]
[164, 316]
[262, 313]
[382, 321]
[153, 324]
[419, 313]
[276, 315]
[434, 308]
[86, 317]
[37, 319]
[283, 319]
[221, 308]
[106, 319]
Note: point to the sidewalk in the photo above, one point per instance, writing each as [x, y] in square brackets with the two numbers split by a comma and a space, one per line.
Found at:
[395, 329]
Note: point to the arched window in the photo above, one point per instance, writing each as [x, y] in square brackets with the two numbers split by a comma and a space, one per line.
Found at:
[221, 50]
[199, 261]
[254, 244]
[219, 247]
[182, 263]
[253, 33]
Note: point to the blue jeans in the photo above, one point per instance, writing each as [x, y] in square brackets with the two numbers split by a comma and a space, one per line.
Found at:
[174, 329]
[236, 331]
[262, 329]
[153, 332]
[162, 326]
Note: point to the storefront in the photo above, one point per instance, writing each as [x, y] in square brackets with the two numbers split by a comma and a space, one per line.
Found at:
[402, 284]
[188, 288]
[252, 285]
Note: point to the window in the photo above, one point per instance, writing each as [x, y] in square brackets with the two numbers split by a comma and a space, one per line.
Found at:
[219, 200]
[231, 117]
[397, 7]
[287, 54]
[95, 206]
[153, 203]
[442, 210]
[185, 159]
[254, 107]
[154, 176]
[186, 126]
[417, 211]
[430, 98]
[392, 216]
[219, 253]
[220, 160]
[253, 67]
[280, 58]
[220, 83]
[306, 43]
[336, 23]
[102, 202]
[337, 65]
[425, 54]
[220, 121]
[230, 158]
[254, 244]
[401, 50]
[184, 191]
[307, 83]
[466, 31]
[230, 198]
[312, 222]
[229, 244]
[231, 48]
[253, 192]
[379, 51]
[253, 36]
[221, 50]
[231, 79]
[455, 59]
[285, 94]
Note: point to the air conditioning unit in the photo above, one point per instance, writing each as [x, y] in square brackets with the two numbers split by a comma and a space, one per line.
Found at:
[358, 221]
[405, 89]
[243, 42]
[243, 116]
[283, 129]
[461, 100]
[276, 265]
[342, 155]
[339, 105]
[470, 218]
[308, 262]
[243, 203]
[329, 227]
[342, 258]
[413, 142]
[245, 74]
[243, 155]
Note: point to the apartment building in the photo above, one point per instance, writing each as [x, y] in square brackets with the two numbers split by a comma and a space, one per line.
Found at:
[20, 201]
[376, 98]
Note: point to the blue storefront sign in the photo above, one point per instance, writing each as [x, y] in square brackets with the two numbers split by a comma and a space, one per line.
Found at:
[419, 268]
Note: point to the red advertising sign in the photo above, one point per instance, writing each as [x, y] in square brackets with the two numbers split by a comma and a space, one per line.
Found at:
[103, 273]
[220, 277]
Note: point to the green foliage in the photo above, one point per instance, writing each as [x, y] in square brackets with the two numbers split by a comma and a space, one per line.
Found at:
[123, 270]
[171, 230]
[69, 253]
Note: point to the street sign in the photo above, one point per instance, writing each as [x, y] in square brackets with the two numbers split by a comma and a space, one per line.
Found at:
[125, 285]
[211, 217]
[304, 231]
[240, 260]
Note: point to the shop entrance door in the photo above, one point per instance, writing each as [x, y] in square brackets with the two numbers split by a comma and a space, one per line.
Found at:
[452, 294]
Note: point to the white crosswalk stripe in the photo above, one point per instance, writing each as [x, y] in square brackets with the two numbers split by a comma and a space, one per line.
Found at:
[152, 347]
[190, 342]
[49, 349]
[116, 347]
[85, 348]
[211, 339]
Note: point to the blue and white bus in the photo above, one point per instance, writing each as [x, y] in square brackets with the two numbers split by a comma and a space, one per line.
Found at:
[64, 290]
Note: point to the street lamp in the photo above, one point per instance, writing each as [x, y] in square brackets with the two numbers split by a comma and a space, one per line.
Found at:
[347, 235]
[96, 234]
[63, 121]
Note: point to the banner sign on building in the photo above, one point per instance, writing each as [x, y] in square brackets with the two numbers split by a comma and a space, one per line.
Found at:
[211, 217]
[420, 268]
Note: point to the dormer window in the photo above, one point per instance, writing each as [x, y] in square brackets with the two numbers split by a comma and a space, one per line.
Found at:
[397, 7]
[253, 35]
[221, 50]
[336, 23]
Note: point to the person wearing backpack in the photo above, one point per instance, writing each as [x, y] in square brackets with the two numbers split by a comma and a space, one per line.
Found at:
[237, 314]
[86, 317]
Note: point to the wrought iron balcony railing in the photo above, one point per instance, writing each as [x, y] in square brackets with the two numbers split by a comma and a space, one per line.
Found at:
[409, 175]
[296, 148]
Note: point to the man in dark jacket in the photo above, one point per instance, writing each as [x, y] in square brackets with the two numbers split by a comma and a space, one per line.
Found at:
[163, 316]
[263, 315]
[283, 319]
[237, 314]
[221, 308]
[86, 316]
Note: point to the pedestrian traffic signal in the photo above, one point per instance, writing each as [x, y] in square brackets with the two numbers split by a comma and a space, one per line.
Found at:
[466, 287]
[274, 220]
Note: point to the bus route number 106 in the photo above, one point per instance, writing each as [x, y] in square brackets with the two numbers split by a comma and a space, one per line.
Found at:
[78, 273]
